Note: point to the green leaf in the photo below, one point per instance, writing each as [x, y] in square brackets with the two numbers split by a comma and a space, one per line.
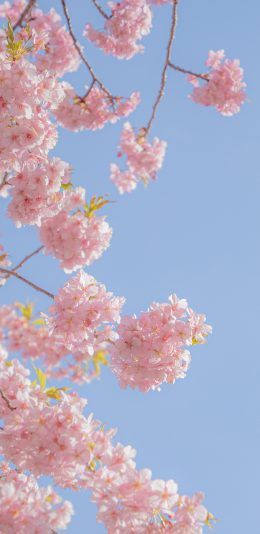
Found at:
[41, 377]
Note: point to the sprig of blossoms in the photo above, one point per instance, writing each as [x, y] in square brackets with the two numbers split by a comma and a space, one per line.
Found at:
[130, 21]
[224, 86]
[151, 350]
[93, 111]
[143, 159]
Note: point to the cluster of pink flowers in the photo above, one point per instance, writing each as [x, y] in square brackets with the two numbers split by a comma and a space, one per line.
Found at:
[143, 159]
[130, 21]
[150, 349]
[34, 191]
[56, 439]
[12, 11]
[27, 334]
[60, 55]
[94, 110]
[83, 314]
[25, 507]
[223, 87]
[26, 97]
[45, 438]
[74, 238]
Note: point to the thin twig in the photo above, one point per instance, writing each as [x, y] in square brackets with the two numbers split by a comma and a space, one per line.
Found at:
[4, 181]
[166, 64]
[7, 401]
[101, 11]
[38, 288]
[21, 263]
[24, 14]
[78, 48]
[185, 71]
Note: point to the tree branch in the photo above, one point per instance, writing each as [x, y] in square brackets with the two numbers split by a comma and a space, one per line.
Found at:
[101, 11]
[7, 401]
[25, 12]
[185, 71]
[21, 263]
[34, 286]
[78, 48]
[166, 64]
[4, 181]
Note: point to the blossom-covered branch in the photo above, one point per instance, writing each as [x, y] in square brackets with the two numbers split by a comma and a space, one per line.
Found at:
[24, 14]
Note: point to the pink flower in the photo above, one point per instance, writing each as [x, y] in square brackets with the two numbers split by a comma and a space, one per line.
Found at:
[74, 238]
[34, 191]
[151, 350]
[131, 20]
[143, 160]
[81, 310]
[93, 111]
[25, 507]
[225, 87]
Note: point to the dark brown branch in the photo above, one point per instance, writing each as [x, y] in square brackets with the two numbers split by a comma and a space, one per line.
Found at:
[185, 71]
[21, 263]
[166, 65]
[4, 181]
[7, 401]
[101, 11]
[34, 286]
[81, 55]
[24, 14]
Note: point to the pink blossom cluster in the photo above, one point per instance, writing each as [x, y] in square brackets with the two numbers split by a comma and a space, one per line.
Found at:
[75, 239]
[129, 501]
[45, 438]
[94, 110]
[26, 507]
[143, 159]
[83, 314]
[60, 55]
[130, 21]
[34, 191]
[29, 336]
[12, 11]
[56, 439]
[223, 87]
[26, 98]
[151, 350]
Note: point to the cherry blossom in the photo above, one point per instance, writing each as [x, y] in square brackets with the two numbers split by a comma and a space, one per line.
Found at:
[224, 87]
[34, 191]
[81, 311]
[131, 20]
[78, 238]
[151, 350]
[94, 110]
[26, 507]
[143, 159]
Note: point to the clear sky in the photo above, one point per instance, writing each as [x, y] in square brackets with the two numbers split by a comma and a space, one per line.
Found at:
[193, 232]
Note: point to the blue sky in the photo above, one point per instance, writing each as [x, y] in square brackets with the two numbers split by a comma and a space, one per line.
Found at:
[193, 232]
